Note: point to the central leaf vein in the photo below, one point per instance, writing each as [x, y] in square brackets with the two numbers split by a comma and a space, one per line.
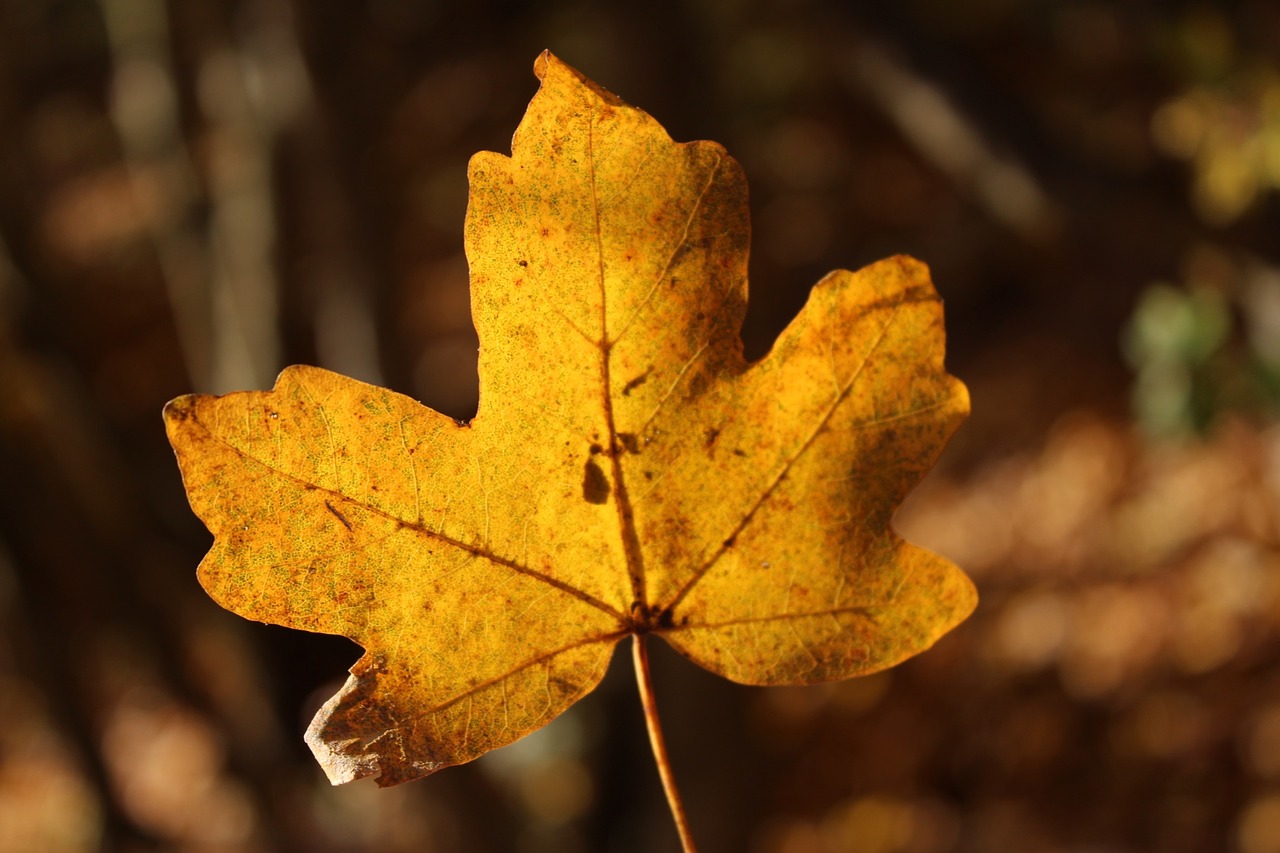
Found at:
[626, 518]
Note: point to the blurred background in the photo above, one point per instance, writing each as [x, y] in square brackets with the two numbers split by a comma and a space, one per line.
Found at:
[195, 193]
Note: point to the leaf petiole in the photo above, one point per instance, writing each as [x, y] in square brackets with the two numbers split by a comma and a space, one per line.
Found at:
[640, 656]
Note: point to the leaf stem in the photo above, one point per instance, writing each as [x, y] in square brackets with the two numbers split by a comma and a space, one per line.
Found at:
[640, 656]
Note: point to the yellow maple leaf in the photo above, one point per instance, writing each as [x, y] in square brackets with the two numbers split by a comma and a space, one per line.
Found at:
[627, 471]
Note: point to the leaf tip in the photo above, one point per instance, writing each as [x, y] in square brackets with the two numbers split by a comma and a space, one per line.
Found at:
[960, 393]
[181, 417]
[179, 409]
[541, 63]
[553, 72]
[911, 268]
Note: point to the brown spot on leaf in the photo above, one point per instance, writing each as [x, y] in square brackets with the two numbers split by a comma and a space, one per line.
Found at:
[636, 382]
[595, 486]
[338, 515]
[178, 410]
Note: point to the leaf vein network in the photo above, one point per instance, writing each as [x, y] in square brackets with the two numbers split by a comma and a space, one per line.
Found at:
[567, 588]
[801, 449]
[501, 678]
[679, 245]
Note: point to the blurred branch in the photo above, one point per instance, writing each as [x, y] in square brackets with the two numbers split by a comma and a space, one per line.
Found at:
[946, 138]
[42, 613]
[345, 326]
[102, 622]
[219, 277]
[144, 110]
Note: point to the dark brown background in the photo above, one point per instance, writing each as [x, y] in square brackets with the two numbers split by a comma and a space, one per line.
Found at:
[196, 193]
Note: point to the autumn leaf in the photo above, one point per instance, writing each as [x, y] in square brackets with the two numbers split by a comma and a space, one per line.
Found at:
[627, 471]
